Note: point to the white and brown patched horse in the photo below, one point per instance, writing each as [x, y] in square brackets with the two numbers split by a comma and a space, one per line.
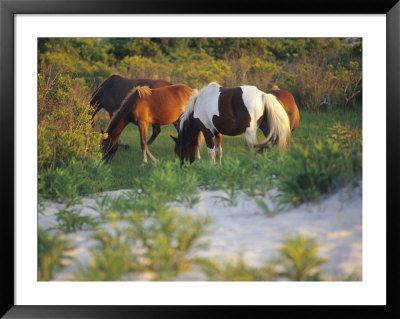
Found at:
[215, 111]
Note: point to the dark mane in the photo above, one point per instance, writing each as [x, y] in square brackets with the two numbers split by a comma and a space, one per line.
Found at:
[188, 138]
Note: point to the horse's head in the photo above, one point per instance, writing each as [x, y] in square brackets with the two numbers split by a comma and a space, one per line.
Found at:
[109, 146]
[185, 147]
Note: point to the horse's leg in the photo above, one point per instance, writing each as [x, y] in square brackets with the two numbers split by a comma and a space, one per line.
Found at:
[218, 148]
[209, 137]
[176, 124]
[199, 142]
[145, 149]
[143, 132]
[156, 131]
[264, 127]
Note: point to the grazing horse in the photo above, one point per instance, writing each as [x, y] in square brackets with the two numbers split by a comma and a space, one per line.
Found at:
[217, 111]
[112, 91]
[144, 106]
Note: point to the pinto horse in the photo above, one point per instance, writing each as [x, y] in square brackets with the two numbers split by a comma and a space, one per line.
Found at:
[144, 106]
[217, 111]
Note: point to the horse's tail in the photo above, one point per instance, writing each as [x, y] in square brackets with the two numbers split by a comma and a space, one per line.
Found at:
[95, 99]
[97, 95]
[278, 123]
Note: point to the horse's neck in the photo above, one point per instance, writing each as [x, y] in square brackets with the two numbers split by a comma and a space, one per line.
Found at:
[116, 129]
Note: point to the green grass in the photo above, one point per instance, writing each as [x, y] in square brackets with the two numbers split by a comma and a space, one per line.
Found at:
[125, 166]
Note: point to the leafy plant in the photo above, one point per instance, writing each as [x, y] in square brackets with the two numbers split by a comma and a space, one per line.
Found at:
[265, 208]
[64, 121]
[102, 205]
[112, 257]
[51, 251]
[230, 194]
[236, 271]
[71, 221]
[166, 239]
[75, 178]
[299, 257]
[311, 171]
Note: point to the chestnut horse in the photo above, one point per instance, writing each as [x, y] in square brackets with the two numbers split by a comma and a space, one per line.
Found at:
[144, 106]
[217, 111]
[111, 92]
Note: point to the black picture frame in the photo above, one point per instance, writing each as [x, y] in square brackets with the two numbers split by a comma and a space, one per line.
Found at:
[8, 8]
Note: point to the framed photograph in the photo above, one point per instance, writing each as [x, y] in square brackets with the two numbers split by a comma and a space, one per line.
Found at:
[193, 45]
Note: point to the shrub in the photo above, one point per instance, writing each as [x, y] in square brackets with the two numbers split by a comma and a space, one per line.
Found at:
[312, 170]
[167, 183]
[70, 221]
[166, 239]
[112, 258]
[144, 67]
[235, 271]
[299, 257]
[197, 73]
[64, 121]
[74, 179]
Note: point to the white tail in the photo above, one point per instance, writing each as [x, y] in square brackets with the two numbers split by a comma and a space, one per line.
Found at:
[278, 122]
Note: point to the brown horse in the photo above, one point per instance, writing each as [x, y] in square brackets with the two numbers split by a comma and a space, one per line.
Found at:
[144, 106]
[112, 91]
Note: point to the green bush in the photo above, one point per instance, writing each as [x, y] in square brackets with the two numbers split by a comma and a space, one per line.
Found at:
[298, 255]
[70, 221]
[112, 258]
[312, 170]
[64, 121]
[74, 179]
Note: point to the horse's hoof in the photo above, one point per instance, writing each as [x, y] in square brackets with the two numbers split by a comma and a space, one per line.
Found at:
[127, 147]
[143, 164]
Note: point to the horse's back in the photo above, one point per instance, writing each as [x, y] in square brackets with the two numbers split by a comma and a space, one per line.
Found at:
[164, 105]
[159, 83]
[290, 106]
[173, 92]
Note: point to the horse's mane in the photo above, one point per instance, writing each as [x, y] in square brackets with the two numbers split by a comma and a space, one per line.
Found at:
[128, 103]
[142, 91]
[189, 108]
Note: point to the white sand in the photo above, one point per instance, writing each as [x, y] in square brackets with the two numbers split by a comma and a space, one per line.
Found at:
[335, 222]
